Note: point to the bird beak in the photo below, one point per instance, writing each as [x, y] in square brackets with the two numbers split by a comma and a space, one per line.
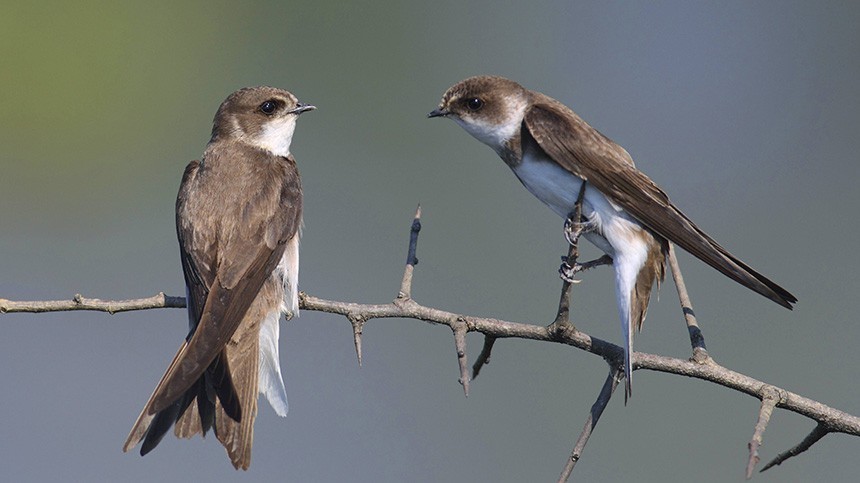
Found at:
[438, 113]
[301, 107]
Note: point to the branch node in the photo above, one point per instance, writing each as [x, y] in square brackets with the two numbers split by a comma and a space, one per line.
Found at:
[701, 356]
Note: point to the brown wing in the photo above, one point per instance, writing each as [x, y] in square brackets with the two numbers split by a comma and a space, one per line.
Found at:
[233, 271]
[242, 351]
[244, 262]
[193, 249]
[585, 152]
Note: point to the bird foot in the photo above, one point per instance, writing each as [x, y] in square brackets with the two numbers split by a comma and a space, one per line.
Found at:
[574, 229]
[567, 271]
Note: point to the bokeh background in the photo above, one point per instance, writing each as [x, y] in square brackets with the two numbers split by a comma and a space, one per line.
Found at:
[745, 112]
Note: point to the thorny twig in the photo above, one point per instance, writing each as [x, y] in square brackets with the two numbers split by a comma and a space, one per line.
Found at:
[828, 419]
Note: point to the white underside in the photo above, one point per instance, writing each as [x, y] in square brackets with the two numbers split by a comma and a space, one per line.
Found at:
[288, 269]
[612, 230]
[271, 383]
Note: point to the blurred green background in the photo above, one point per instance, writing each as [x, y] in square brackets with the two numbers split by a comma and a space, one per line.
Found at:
[745, 112]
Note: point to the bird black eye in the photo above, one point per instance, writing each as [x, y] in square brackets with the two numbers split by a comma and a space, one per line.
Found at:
[268, 107]
[474, 103]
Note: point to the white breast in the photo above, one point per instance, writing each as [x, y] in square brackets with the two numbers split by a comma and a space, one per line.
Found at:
[558, 188]
[549, 182]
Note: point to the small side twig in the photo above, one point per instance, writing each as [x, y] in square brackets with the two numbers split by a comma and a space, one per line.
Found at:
[597, 408]
[819, 432]
[460, 328]
[768, 403]
[357, 323]
[484, 356]
[411, 257]
[697, 339]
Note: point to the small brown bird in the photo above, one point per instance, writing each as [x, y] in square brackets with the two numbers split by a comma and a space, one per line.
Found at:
[238, 217]
[552, 151]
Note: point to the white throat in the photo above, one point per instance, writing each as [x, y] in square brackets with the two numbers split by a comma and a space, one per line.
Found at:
[277, 136]
[495, 135]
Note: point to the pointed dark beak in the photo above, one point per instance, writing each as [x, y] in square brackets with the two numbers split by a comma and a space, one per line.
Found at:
[438, 113]
[302, 107]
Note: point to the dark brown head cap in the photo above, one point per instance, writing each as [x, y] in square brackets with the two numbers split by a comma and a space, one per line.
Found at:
[246, 112]
[479, 93]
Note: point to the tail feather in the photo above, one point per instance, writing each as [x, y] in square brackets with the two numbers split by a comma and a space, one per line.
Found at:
[218, 376]
[161, 423]
[639, 261]
[200, 414]
[193, 412]
[625, 293]
[654, 270]
[224, 397]
[237, 436]
[694, 240]
[189, 422]
[628, 363]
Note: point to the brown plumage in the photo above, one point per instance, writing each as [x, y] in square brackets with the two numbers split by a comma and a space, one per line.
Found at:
[554, 153]
[588, 154]
[238, 215]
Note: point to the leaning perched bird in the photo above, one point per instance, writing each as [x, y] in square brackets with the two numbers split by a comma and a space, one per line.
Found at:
[552, 151]
[238, 217]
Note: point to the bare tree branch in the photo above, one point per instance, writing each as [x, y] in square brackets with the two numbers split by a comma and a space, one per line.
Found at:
[78, 302]
[597, 408]
[573, 229]
[460, 330]
[819, 432]
[828, 419]
[767, 405]
[484, 356]
[697, 339]
[411, 257]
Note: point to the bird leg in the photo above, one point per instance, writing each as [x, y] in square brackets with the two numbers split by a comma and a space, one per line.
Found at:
[576, 225]
[568, 271]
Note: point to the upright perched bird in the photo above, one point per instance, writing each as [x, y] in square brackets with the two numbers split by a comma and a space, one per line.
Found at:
[238, 217]
[552, 151]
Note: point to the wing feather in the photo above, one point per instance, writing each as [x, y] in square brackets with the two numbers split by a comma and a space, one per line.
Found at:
[587, 153]
[222, 282]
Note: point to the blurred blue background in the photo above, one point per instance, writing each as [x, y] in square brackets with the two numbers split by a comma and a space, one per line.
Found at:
[745, 112]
